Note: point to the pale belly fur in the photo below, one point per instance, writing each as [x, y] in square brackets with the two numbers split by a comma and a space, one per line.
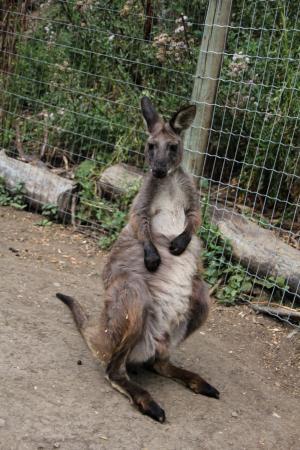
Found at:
[171, 285]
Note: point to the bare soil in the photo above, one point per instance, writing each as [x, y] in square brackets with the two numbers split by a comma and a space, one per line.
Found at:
[49, 400]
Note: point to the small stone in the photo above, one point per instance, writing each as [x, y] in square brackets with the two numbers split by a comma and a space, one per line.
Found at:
[234, 414]
[2, 422]
[79, 362]
[101, 436]
[56, 445]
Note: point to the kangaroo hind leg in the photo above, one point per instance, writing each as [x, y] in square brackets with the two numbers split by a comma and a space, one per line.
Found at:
[126, 312]
[199, 306]
[191, 380]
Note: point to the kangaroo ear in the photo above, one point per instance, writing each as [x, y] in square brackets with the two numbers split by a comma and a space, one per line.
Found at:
[149, 113]
[183, 119]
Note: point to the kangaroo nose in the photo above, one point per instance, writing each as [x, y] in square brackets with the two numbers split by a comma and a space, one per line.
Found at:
[160, 173]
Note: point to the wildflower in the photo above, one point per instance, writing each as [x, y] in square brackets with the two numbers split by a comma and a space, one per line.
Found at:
[179, 29]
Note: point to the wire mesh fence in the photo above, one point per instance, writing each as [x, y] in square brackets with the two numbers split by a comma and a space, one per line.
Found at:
[73, 72]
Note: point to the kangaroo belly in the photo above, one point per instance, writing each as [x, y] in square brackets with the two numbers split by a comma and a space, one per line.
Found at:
[169, 222]
[171, 288]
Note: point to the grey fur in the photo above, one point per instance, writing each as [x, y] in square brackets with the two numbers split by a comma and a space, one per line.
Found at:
[154, 295]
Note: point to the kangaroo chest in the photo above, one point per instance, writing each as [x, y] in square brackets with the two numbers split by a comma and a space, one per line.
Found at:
[168, 209]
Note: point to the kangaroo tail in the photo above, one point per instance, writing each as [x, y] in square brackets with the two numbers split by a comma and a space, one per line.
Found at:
[79, 314]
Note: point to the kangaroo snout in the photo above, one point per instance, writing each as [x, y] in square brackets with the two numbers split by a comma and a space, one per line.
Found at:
[160, 173]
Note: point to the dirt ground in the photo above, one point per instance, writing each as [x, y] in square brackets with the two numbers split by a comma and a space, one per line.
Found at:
[50, 401]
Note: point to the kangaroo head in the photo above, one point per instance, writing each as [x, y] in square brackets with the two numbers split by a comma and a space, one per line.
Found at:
[164, 147]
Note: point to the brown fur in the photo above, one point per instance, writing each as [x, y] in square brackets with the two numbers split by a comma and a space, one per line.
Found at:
[155, 296]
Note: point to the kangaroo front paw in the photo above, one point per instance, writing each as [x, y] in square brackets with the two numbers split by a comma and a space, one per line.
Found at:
[151, 257]
[180, 243]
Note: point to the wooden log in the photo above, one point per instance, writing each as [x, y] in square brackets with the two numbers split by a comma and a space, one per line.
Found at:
[257, 248]
[117, 179]
[41, 186]
[276, 311]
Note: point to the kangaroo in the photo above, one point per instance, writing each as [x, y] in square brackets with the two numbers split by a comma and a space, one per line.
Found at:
[154, 295]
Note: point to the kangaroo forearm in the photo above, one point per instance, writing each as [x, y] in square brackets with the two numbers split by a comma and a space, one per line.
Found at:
[180, 243]
[140, 211]
[141, 228]
[193, 221]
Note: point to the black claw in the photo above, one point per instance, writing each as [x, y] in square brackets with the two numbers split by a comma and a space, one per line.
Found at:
[151, 257]
[154, 411]
[180, 243]
[152, 264]
[210, 391]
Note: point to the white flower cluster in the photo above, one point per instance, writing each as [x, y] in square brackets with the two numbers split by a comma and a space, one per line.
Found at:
[85, 5]
[173, 46]
[179, 29]
[64, 66]
[50, 32]
[125, 11]
[46, 115]
[240, 63]
[185, 18]
[183, 21]
[240, 56]
[47, 3]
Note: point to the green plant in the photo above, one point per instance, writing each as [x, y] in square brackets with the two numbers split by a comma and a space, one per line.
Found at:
[237, 283]
[229, 279]
[111, 216]
[114, 222]
[4, 195]
[12, 197]
[50, 211]
[43, 223]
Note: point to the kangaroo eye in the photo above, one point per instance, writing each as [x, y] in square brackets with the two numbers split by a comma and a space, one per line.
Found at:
[150, 146]
[173, 148]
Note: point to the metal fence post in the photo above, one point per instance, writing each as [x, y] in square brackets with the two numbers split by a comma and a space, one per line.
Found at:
[206, 82]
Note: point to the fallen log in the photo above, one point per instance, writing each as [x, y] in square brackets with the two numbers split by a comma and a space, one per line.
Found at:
[41, 186]
[276, 311]
[117, 179]
[257, 248]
